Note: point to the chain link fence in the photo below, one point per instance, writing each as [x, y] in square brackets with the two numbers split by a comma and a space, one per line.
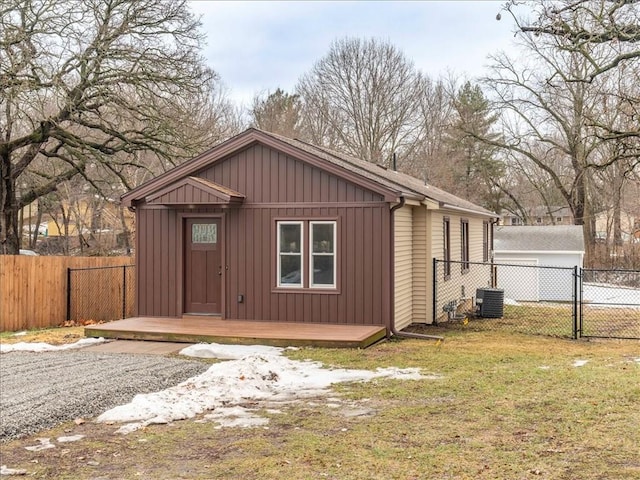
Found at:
[100, 293]
[533, 299]
[556, 301]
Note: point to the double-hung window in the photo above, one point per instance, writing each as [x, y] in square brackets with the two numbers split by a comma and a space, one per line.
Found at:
[486, 233]
[307, 254]
[446, 253]
[464, 244]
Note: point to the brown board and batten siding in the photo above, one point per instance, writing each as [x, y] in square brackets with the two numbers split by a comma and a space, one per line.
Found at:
[276, 187]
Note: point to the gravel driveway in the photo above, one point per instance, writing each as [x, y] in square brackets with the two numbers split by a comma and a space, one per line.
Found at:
[41, 390]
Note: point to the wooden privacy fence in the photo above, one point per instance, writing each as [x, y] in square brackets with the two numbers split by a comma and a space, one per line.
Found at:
[34, 290]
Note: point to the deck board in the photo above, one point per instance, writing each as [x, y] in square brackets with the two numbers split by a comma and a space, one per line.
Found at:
[245, 332]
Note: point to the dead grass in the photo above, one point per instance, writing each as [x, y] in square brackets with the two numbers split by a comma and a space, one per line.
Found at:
[53, 336]
[508, 406]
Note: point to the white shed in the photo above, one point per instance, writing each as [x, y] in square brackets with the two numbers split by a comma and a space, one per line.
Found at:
[538, 246]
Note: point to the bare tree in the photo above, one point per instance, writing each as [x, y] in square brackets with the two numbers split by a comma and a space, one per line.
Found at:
[605, 34]
[366, 94]
[85, 85]
[579, 26]
[429, 160]
[545, 121]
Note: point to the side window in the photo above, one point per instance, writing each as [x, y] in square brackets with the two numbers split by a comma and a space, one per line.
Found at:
[307, 246]
[485, 241]
[446, 254]
[290, 264]
[464, 244]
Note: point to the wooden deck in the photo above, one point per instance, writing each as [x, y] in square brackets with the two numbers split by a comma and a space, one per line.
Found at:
[245, 332]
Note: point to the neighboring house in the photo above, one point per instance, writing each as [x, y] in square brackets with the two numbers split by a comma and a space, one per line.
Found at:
[532, 247]
[629, 226]
[263, 227]
[540, 216]
[86, 215]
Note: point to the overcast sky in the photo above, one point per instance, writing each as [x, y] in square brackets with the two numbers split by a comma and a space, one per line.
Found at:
[260, 46]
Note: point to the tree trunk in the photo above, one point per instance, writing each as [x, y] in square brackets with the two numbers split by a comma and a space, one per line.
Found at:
[34, 238]
[125, 231]
[65, 225]
[618, 182]
[9, 236]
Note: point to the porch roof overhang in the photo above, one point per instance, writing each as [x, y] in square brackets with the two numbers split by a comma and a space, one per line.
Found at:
[194, 191]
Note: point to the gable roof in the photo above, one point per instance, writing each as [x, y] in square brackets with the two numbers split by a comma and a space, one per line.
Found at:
[195, 191]
[389, 183]
[529, 238]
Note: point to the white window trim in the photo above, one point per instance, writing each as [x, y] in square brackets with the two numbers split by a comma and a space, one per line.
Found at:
[301, 255]
[334, 254]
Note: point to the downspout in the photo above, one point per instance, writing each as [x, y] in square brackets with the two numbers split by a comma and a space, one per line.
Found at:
[494, 280]
[392, 269]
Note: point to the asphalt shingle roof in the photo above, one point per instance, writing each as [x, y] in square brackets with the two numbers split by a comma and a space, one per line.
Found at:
[539, 238]
[405, 184]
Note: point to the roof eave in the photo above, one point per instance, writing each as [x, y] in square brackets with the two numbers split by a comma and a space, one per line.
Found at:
[481, 213]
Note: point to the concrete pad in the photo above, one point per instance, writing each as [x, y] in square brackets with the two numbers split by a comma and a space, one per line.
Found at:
[136, 346]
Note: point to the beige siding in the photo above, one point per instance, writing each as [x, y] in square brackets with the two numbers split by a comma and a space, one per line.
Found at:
[431, 252]
[421, 265]
[403, 239]
[460, 286]
[475, 239]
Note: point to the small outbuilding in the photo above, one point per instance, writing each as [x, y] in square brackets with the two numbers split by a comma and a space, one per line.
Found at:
[534, 247]
[267, 228]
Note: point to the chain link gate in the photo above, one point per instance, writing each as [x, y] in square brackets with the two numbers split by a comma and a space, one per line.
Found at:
[609, 304]
[100, 293]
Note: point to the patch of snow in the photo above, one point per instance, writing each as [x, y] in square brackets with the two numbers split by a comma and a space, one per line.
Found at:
[236, 417]
[19, 334]
[229, 352]
[544, 367]
[130, 427]
[580, 363]
[46, 347]
[70, 438]
[608, 296]
[510, 301]
[4, 470]
[45, 443]
[256, 374]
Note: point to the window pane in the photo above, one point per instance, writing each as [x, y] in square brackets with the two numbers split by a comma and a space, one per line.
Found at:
[290, 238]
[204, 233]
[290, 272]
[322, 238]
[323, 270]
[446, 246]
